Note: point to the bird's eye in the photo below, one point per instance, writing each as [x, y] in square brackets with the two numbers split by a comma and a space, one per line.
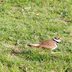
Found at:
[57, 38]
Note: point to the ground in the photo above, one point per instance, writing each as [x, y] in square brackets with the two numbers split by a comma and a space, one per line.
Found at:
[31, 21]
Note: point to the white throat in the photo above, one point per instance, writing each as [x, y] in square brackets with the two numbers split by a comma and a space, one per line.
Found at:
[57, 40]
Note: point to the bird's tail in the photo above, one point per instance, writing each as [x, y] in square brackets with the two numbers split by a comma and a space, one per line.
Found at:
[33, 45]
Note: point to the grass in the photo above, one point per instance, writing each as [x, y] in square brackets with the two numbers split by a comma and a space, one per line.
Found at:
[31, 21]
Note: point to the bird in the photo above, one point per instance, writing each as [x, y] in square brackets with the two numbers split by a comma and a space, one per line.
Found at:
[50, 44]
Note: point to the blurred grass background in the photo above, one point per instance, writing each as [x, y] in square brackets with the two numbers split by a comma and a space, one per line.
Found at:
[31, 21]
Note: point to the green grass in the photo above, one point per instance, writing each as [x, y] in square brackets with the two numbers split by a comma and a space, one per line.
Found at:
[31, 21]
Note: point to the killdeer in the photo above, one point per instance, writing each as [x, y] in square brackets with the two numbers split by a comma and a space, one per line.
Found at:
[49, 44]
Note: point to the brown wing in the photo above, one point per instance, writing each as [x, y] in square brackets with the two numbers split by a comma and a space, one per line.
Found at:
[48, 44]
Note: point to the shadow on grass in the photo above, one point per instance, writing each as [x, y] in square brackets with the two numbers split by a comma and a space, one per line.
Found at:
[35, 56]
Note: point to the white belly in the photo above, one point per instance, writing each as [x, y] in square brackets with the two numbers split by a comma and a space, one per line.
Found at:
[54, 47]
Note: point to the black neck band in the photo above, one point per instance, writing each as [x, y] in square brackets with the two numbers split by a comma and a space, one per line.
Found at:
[55, 41]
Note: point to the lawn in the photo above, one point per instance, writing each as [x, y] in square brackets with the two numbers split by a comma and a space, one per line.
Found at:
[31, 21]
